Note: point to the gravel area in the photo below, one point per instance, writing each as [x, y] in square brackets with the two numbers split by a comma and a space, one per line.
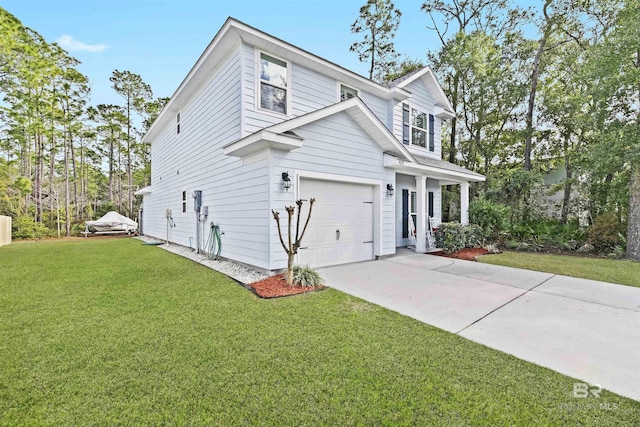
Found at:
[241, 273]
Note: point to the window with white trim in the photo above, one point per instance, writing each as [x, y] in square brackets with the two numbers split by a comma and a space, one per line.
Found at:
[178, 123]
[273, 84]
[347, 92]
[417, 128]
[184, 201]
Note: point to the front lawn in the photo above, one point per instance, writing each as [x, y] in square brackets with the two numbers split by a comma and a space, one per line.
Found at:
[606, 270]
[111, 332]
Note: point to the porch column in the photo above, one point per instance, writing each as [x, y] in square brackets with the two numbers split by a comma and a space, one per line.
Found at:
[421, 214]
[464, 203]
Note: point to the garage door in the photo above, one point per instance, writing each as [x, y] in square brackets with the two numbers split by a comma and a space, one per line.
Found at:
[341, 226]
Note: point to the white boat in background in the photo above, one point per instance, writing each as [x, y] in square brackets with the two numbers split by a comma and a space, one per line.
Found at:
[111, 222]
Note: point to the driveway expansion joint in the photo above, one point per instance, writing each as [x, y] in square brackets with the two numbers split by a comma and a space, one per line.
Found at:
[505, 304]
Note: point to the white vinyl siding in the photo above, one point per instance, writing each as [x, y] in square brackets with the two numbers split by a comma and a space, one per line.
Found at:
[334, 145]
[308, 92]
[236, 193]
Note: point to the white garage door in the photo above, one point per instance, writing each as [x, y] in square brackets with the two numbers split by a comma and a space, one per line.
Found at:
[341, 226]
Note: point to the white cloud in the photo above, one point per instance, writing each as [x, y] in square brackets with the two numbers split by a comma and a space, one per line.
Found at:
[67, 42]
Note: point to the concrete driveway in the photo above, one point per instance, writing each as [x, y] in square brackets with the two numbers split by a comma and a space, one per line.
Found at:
[582, 328]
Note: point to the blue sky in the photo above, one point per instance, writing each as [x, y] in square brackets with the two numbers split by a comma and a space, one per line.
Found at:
[162, 39]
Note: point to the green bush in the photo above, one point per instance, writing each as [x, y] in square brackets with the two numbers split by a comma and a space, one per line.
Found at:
[24, 227]
[451, 236]
[306, 277]
[492, 217]
[548, 233]
[606, 232]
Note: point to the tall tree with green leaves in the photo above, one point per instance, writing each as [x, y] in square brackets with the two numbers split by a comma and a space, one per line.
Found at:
[378, 21]
[111, 119]
[135, 92]
[613, 66]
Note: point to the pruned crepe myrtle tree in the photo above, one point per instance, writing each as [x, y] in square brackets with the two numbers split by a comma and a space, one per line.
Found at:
[292, 247]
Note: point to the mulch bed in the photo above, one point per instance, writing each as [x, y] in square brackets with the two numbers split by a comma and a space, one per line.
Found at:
[276, 286]
[467, 254]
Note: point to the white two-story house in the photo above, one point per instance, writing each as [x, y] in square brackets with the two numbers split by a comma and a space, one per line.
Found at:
[259, 123]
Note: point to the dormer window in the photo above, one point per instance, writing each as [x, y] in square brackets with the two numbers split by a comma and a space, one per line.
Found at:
[347, 92]
[417, 128]
[273, 84]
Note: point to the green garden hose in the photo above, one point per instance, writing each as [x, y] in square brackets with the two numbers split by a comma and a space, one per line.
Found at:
[214, 243]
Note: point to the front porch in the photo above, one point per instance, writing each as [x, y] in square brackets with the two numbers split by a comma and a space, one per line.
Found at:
[419, 198]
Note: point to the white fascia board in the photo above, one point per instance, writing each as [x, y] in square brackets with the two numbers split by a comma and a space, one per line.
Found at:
[431, 81]
[267, 42]
[430, 171]
[443, 113]
[196, 75]
[383, 137]
[261, 140]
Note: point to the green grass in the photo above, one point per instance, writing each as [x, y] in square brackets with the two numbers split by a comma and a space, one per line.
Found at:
[111, 332]
[606, 270]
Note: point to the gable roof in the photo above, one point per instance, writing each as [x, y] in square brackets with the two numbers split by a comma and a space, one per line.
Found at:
[280, 136]
[431, 81]
[234, 32]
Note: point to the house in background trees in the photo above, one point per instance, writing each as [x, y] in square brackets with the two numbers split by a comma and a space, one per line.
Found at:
[259, 123]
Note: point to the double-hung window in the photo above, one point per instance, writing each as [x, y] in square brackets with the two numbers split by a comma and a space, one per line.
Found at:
[273, 84]
[417, 128]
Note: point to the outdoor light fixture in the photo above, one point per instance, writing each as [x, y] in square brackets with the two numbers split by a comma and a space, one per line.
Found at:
[286, 181]
[390, 190]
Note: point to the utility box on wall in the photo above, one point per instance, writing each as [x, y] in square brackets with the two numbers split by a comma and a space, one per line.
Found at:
[5, 230]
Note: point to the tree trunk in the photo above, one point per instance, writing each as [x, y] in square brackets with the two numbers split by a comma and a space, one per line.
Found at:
[111, 161]
[129, 201]
[535, 73]
[633, 221]
[290, 268]
[74, 174]
[39, 176]
[566, 198]
[67, 222]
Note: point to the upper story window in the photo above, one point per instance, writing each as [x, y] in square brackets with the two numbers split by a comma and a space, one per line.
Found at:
[273, 84]
[417, 128]
[178, 123]
[347, 92]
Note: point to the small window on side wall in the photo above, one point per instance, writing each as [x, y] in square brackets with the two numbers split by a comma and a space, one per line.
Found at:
[184, 201]
[178, 123]
[347, 92]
